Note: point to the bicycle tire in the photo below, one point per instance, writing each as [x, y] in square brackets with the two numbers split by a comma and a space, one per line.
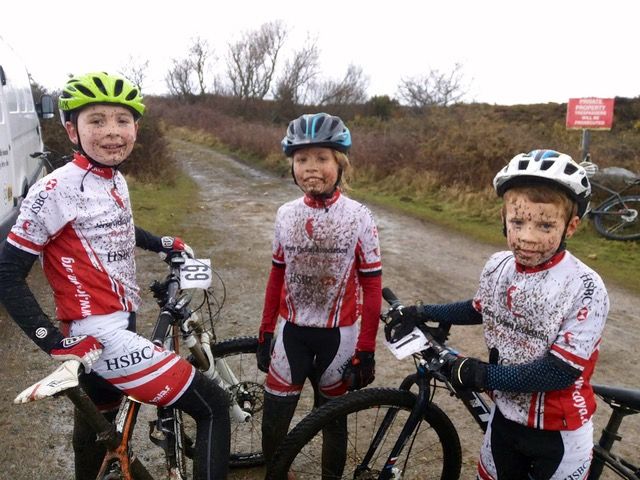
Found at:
[246, 438]
[433, 451]
[614, 227]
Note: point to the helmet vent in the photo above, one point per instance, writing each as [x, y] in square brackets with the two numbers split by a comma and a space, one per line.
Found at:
[318, 126]
[84, 90]
[100, 85]
[523, 164]
[132, 94]
[547, 164]
[585, 182]
[570, 169]
[117, 90]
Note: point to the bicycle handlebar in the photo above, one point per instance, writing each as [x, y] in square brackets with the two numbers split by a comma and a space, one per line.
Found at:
[436, 353]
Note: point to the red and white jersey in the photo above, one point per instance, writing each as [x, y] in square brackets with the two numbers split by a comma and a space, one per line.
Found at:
[323, 246]
[79, 220]
[558, 307]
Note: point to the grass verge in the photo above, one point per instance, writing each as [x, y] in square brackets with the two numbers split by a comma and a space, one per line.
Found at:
[165, 209]
[617, 262]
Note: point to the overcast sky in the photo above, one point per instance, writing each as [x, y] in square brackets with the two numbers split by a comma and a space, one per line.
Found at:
[511, 51]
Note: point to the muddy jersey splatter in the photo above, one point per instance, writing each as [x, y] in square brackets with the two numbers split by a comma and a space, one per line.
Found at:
[323, 246]
[558, 307]
[79, 220]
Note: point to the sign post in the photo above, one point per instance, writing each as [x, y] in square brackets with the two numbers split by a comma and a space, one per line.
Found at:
[589, 114]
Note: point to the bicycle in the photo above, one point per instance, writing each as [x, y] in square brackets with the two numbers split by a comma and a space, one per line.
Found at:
[615, 217]
[396, 433]
[231, 363]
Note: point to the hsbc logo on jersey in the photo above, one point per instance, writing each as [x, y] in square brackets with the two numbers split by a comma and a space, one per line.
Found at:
[39, 202]
[132, 358]
[51, 184]
[583, 313]
[589, 289]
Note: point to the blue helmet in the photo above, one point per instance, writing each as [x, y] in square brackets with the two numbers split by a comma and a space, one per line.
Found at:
[318, 130]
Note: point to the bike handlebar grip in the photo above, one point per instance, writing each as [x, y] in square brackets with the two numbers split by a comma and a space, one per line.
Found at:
[390, 297]
[161, 328]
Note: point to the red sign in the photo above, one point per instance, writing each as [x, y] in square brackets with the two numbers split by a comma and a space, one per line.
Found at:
[590, 113]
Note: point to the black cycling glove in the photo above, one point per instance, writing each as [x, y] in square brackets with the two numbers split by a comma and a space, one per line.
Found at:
[263, 354]
[360, 371]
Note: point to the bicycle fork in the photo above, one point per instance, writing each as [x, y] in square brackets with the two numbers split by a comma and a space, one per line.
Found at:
[220, 372]
[390, 470]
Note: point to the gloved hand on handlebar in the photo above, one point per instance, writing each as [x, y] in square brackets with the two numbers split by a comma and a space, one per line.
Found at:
[170, 244]
[466, 372]
[263, 353]
[84, 348]
[360, 371]
[402, 322]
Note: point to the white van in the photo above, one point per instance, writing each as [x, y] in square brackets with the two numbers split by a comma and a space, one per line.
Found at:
[21, 161]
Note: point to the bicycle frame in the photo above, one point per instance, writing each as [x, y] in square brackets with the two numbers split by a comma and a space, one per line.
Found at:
[170, 328]
[612, 194]
[473, 401]
[623, 402]
[115, 438]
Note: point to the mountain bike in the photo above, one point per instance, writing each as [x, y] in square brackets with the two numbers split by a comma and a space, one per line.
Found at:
[231, 363]
[402, 434]
[615, 217]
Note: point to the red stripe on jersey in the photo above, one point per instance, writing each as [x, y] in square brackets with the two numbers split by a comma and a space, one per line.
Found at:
[166, 388]
[335, 390]
[482, 472]
[24, 244]
[533, 410]
[569, 356]
[278, 384]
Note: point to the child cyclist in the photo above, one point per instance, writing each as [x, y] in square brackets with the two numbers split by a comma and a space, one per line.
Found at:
[326, 273]
[543, 312]
[78, 221]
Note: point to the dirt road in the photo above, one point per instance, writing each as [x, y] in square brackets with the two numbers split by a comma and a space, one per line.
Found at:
[238, 205]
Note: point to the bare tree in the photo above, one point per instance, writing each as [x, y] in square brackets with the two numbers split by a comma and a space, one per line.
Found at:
[199, 54]
[351, 89]
[135, 71]
[178, 79]
[251, 61]
[299, 71]
[434, 88]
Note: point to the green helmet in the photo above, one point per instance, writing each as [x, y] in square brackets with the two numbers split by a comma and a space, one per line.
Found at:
[100, 88]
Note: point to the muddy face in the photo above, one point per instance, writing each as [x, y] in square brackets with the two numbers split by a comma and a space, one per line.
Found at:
[107, 133]
[315, 169]
[534, 230]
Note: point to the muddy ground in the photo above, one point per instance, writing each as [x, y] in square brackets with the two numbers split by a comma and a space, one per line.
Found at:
[238, 205]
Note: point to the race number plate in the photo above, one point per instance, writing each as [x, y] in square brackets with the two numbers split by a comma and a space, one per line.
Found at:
[408, 345]
[196, 273]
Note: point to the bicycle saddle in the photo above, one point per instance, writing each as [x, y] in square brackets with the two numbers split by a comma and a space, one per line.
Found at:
[626, 396]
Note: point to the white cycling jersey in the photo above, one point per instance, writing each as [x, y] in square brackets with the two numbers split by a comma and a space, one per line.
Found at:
[558, 307]
[323, 247]
[78, 218]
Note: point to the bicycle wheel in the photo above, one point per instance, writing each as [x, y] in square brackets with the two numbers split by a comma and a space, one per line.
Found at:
[432, 452]
[248, 392]
[618, 219]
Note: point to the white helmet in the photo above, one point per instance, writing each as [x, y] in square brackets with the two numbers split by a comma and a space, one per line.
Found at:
[546, 166]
